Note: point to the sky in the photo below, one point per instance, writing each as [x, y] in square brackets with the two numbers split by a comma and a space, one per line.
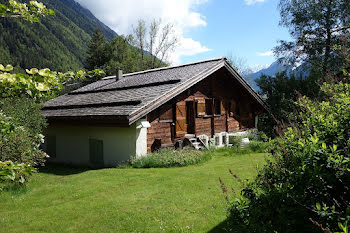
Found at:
[245, 29]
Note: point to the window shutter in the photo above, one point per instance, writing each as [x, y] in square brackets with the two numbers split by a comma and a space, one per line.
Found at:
[201, 107]
[232, 108]
[167, 116]
[223, 110]
[217, 107]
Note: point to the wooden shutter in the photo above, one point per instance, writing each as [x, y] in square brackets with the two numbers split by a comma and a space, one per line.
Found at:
[223, 109]
[51, 146]
[200, 107]
[180, 123]
[232, 108]
[167, 116]
[96, 152]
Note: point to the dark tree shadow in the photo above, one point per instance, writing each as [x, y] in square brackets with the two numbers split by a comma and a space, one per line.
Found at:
[221, 227]
[62, 170]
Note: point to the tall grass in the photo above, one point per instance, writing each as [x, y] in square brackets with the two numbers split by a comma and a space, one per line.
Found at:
[169, 157]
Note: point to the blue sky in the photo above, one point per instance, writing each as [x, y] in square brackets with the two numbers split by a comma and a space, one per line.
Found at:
[247, 29]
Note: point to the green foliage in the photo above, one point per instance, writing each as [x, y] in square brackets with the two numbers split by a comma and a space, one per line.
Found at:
[169, 157]
[37, 83]
[14, 174]
[24, 112]
[18, 144]
[254, 146]
[118, 53]
[311, 165]
[122, 55]
[281, 93]
[58, 43]
[97, 53]
[30, 12]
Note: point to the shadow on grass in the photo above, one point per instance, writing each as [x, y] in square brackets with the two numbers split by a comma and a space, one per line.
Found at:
[62, 170]
[221, 227]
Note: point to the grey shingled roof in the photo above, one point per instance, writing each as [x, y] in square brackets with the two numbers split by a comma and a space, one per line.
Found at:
[133, 96]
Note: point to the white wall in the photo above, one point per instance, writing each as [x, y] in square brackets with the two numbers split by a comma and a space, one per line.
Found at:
[72, 143]
[141, 139]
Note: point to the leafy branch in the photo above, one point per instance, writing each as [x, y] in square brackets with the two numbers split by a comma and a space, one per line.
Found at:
[29, 12]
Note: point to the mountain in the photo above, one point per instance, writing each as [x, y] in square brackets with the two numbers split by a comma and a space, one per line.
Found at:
[274, 68]
[271, 70]
[58, 42]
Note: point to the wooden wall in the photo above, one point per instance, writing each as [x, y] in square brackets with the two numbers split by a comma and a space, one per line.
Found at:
[238, 109]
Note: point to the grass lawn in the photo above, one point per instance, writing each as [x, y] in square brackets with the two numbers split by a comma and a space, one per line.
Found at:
[186, 199]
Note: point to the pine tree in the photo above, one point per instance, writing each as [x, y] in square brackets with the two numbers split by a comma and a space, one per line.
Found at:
[97, 53]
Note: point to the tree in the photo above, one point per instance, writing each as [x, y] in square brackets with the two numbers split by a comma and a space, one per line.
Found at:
[315, 26]
[30, 12]
[122, 55]
[97, 53]
[158, 40]
[239, 63]
[281, 92]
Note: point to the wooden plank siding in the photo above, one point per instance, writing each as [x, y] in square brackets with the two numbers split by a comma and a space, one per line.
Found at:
[238, 110]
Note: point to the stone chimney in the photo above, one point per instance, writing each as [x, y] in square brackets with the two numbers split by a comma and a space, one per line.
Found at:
[119, 74]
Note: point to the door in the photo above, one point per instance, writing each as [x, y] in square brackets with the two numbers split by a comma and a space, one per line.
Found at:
[190, 116]
[96, 152]
[180, 119]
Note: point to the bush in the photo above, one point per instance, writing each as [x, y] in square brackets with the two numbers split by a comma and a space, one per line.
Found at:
[24, 112]
[257, 147]
[18, 145]
[170, 157]
[14, 174]
[307, 186]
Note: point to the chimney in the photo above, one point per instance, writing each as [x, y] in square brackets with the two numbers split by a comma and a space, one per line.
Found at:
[119, 74]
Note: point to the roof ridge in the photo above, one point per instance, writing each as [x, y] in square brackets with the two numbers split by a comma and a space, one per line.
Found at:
[168, 67]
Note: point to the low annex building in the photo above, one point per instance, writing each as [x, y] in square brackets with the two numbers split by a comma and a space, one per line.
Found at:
[108, 121]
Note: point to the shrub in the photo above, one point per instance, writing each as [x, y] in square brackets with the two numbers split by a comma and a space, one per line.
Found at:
[24, 112]
[14, 174]
[307, 186]
[18, 145]
[169, 157]
[257, 147]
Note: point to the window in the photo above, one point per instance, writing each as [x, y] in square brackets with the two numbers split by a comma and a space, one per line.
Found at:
[208, 107]
[51, 146]
[217, 107]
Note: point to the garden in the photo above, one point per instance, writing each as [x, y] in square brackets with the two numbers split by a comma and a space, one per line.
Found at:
[175, 199]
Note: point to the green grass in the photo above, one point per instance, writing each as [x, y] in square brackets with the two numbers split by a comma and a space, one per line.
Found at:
[182, 199]
[169, 157]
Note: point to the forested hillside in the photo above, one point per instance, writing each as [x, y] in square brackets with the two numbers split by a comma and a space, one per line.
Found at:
[59, 42]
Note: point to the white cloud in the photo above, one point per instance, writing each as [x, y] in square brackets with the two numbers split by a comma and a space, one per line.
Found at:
[120, 15]
[252, 2]
[188, 47]
[265, 54]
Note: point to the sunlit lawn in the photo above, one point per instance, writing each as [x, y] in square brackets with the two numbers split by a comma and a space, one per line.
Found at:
[187, 199]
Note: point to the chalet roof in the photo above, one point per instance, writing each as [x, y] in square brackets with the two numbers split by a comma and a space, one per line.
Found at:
[135, 94]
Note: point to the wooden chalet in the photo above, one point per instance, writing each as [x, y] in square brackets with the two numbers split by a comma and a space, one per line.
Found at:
[110, 120]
